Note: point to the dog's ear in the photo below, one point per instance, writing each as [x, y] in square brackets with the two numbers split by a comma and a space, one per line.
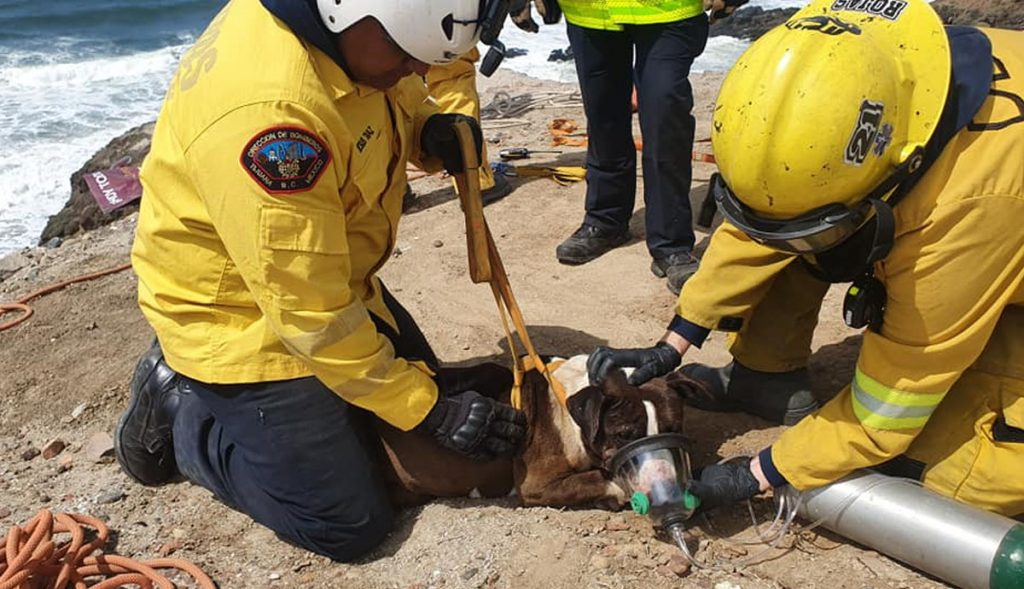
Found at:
[585, 409]
[616, 385]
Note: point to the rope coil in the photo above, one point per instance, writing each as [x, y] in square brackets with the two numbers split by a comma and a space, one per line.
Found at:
[31, 559]
[26, 311]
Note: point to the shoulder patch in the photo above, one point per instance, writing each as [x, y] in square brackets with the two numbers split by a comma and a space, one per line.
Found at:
[284, 160]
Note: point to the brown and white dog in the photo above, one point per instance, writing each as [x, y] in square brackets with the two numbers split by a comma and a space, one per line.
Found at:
[564, 462]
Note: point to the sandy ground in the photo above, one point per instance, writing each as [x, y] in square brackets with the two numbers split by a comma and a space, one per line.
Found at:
[65, 375]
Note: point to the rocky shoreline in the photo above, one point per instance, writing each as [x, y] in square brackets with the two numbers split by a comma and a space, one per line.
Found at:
[81, 212]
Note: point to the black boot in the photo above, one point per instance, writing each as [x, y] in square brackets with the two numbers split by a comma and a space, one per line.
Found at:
[588, 243]
[143, 439]
[678, 268]
[779, 397]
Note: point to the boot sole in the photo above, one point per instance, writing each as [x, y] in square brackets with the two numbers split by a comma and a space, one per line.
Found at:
[122, 421]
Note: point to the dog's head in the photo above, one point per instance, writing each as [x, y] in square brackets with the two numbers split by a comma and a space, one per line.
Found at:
[615, 413]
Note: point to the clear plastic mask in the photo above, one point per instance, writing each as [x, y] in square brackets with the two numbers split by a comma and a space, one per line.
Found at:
[654, 472]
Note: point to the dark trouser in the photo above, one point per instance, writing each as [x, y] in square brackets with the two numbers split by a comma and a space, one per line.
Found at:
[604, 65]
[293, 455]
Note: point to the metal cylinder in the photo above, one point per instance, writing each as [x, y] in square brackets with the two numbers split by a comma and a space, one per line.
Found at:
[958, 543]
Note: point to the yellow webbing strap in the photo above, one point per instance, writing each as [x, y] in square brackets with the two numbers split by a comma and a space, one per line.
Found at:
[564, 175]
[485, 265]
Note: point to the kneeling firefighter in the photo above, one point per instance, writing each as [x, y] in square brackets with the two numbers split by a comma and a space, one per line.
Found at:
[272, 195]
[866, 143]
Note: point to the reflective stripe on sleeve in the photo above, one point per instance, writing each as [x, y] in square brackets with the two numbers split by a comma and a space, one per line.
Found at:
[882, 407]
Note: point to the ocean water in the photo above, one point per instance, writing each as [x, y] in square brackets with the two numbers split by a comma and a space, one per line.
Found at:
[76, 73]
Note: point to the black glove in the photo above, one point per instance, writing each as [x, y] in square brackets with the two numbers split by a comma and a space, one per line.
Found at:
[520, 12]
[649, 362]
[475, 426]
[722, 8]
[721, 484]
[438, 139]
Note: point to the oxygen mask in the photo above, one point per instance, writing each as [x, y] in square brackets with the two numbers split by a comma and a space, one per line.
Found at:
[654, 472]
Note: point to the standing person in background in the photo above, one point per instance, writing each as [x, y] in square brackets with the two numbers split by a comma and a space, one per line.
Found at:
[665, 36]
[453, 87]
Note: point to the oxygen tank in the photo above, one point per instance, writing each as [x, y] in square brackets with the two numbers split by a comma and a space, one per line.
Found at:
[960, 544]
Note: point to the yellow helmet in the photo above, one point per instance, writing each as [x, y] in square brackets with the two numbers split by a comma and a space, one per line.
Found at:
[826, 114]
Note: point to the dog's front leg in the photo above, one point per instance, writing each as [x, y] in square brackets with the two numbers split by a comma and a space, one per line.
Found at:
[574, 490]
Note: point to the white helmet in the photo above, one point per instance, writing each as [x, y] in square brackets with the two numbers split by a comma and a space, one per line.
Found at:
[432, 31]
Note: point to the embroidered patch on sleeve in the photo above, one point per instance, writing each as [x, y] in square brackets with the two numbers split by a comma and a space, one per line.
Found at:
[285, 159]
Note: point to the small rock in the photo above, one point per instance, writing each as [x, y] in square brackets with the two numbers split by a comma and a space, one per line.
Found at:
[561, 55]
[616, 524]
[727, 585]
[53, 448]
[599, 562]
[633, 551]
[275, 576]
[12, 263]
[179, 534]
[65, 463]
[78, 410]
[91, 326]
[665, 572]
[110, 496]
[54, 243]
[30, 453]
[302, 565]
[4, 512]
[438, 243]
[679, 565]
[469, 573]
[99, 447]
[168, 548]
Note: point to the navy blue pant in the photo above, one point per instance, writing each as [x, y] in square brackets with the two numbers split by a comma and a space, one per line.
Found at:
[293, 455]
[606, 71]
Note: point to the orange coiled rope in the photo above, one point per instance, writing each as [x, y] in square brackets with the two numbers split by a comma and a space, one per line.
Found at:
[26, 311]
[31, 559]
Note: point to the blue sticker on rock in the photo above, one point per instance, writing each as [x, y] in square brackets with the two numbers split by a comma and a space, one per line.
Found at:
[285, 159]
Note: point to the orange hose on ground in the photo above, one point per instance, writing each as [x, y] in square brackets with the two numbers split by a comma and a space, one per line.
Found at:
[31, 558]
[26, 311]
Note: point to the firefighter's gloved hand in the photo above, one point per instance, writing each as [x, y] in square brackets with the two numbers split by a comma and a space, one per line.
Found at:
[475, 426]
[722, 484]
[438, 139]
[648, 362]
[722, 8]
[521, 13]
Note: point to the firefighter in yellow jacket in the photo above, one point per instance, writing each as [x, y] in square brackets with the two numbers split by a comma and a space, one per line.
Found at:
[863, 142]
[272, 196]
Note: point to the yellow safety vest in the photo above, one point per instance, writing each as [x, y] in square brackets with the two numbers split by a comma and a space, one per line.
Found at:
[610, 15]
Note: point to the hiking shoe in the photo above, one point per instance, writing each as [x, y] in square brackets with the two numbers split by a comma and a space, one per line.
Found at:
[678, 268]
[143, 439]
[588, 243]
[502, 188]
[779, 397]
